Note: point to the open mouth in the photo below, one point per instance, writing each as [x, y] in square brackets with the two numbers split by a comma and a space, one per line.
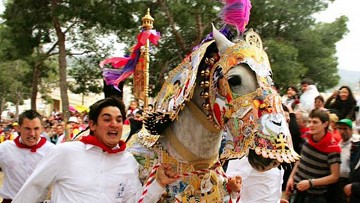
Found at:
[113, 133]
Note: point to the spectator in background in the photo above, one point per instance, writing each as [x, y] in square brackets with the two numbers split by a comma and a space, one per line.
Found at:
[73, 126]
[8, 133]
[352, 190]
[308, 181]
[333, 127]
[133, 108]
[345, 128]
[19, 157]
[302, 119]
[292, 97]
[15, 127]
[59, 135]
[344, 105]
[309, 92]
[319, 103]
[296, 138]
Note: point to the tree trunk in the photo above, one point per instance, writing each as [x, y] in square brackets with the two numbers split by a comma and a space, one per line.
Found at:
[34, 86]
[178, 38]
[17, 104]
[62, 61]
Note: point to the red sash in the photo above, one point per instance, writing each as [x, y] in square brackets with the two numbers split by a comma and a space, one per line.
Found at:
[327, 144]
[90, 139]
[32, 148]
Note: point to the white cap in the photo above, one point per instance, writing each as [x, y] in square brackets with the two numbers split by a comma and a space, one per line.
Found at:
[73, 119]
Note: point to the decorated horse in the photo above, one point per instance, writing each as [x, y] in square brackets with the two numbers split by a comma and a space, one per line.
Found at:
[221, 92]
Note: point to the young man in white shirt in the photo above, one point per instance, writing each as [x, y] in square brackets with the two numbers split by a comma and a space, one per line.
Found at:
[19, 157]
[261, 181]
[96, 168]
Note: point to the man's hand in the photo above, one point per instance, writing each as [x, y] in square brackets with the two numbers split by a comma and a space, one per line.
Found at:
[347, 190]
[289, 186]
[166, 175]
[303, 185]
[235, 183]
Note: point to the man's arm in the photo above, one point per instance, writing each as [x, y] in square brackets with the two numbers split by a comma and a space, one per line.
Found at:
[332, 178]
[326, 180]
[164, 175]
[290, 182]
[36, 185]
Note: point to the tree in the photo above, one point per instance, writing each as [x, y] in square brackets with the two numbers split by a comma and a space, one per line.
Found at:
[12, 89]
[61, 22]
[297, 45]
[86, 76]
[288, 30]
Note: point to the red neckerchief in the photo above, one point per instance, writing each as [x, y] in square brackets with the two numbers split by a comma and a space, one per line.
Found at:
[32, 148]
[327, 144]
[90, 139]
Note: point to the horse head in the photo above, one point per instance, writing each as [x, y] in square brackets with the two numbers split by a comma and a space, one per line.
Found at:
[244, 104]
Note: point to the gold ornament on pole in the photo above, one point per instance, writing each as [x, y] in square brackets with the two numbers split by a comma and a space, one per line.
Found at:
[147, 25]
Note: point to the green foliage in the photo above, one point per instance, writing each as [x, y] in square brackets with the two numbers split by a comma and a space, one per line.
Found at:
[86, 76]
[305, 48]
[283, 56]
[296, 45]
[13, 73]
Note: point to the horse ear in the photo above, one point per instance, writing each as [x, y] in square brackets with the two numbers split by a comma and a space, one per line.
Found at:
[221, 41]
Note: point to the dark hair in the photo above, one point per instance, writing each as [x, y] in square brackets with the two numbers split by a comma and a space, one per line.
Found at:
[258, 162]
[31, 115]
[321, 98]
[307, 81]
[293, 87]
[344, 108]
[320, 114]
[351, 98]
[96, 108]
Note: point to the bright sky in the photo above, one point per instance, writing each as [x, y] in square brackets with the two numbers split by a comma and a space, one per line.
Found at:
[347, 48]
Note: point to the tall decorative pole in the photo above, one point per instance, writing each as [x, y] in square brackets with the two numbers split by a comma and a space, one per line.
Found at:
[147, 25]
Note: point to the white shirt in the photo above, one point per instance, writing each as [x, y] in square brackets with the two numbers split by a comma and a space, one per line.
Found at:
[307, 98]
[17, 165]
[345, 158]
[82, 172]
[258, 187]
[60, 139]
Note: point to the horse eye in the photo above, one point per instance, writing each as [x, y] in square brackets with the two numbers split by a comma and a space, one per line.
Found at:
[242, 80]
[234, 81]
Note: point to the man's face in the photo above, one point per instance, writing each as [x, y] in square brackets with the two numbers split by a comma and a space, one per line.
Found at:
[108, 129]
[304, 87]
[317, 127]
[345, 132]
[290, 92]
[30, 131]
[300, 120]
[59, 130]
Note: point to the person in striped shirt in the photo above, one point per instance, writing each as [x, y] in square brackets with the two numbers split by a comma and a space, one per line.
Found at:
[319, 165]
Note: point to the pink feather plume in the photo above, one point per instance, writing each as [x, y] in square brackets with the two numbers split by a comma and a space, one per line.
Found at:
[237, 13]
